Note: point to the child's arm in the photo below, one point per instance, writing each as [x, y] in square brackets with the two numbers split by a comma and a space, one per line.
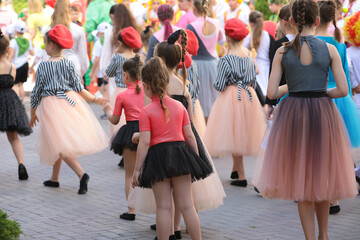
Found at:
[95, 69]
[114, 119]
[141, 153]
[91, 98]
[273, 90]
[189, 138]
[341, 89]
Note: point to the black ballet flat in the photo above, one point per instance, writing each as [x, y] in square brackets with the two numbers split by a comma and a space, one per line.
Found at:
[83, 184]
[171, 237]
[121, 163]
[358, 180]
[239, 183]
[50, 183]
[177, 235]
[234, 175]
[23, 175]
[334, 209]
[153, 227]
[128, 216]
[256, 190]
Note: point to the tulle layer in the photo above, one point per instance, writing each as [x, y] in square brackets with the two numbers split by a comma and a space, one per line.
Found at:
[172, 159]
[235, 126]
[199, 119]
[123, 138]
[307, 156]
[70, 131]
[113, 129]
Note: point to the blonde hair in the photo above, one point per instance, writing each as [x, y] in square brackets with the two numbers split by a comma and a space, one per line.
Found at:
[61, 14]
[35, 6]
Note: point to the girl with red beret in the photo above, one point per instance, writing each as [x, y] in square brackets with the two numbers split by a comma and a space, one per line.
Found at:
[68, 127]
[132, 101]
[243, 120]
[167, 159]
[129, 40]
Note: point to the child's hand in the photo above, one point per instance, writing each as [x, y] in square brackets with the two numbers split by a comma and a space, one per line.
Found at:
[135, 138]
[33, 120]
[107, 108]
[135, 179]
[101, 101]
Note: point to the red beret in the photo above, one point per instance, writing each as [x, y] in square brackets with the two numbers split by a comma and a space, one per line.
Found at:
[188, 61]
[192, 46]
[51, 3]
[236, 29]
[270, 27]
[131, 37]
[62, 36]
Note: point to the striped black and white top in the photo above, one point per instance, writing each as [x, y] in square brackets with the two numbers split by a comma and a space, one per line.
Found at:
[55, 78]
[115, 70]
[236, 70]
[193, 77]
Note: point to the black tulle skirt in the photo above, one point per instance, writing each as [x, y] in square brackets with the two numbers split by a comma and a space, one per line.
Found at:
[13, 116]
[123, 138]
[172, 159]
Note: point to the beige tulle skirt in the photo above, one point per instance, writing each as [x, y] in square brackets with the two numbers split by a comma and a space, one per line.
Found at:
[70, 131]
[199, 119]
[235, 127]
[307, 156]
[207, 194]
[113, 129]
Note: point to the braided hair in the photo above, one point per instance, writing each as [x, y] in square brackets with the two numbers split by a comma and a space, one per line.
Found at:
[4, 43]
[327, 10]
[172, 53]
[165, 14]
[156, 76]
[304, 13]
[133, 67]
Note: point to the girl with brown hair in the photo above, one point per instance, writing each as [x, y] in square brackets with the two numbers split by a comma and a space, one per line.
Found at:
[167, 159]
[308, 156]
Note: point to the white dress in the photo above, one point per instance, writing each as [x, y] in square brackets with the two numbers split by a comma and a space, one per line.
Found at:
[262, 60]
[107, 54]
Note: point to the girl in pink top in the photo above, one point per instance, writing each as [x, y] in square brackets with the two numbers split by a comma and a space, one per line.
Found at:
[132, 101]
[188, 17]
[171, 162]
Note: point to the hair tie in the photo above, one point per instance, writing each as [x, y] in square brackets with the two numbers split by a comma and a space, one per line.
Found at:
[1, 33]
[147, 29]
[183, 59]
[173, 37]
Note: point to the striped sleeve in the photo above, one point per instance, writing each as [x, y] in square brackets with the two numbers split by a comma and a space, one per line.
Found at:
[35, 97]
[75, 81]
[111, 69]
[222, 75]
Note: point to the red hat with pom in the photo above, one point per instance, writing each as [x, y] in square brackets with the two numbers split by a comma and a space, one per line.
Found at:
[131, 37]
[62, 36]
[236, 29]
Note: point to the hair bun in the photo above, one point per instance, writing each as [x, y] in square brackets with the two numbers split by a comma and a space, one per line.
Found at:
[174, 37]
[147, 29]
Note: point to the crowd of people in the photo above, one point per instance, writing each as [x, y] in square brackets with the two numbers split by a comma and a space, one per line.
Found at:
[182, 82]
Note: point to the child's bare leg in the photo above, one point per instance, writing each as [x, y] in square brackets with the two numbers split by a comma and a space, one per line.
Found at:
[184, 201]
[21, 91]
[55, 177]
[322, 215]
[16, 146]
[239, 166]
[129, 165]
[177, 218]
[74, 164]
[306, 213]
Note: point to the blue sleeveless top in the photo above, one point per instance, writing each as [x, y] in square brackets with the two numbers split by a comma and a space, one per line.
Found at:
[312, 77]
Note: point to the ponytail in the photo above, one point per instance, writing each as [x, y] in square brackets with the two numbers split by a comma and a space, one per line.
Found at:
[166, 111]
[133, 67]
[257, 19]
[327, 10]
[183, 52]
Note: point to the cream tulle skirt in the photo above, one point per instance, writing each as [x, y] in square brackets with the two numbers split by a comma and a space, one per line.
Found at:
[70, 131]
[113, 129]
[307, 156]
[235, 127]
[199, 119]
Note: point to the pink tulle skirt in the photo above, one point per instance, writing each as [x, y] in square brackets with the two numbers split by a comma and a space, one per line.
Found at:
[207, 194]
[70, 131]
[235, 127]
[307, 156]
[113, 129]
[199, 119]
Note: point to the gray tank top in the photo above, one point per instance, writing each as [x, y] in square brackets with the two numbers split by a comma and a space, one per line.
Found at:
[312, 77]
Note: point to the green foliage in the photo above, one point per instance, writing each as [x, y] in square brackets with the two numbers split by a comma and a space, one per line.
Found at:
[19, 5]
[9, 229]
[263, 6]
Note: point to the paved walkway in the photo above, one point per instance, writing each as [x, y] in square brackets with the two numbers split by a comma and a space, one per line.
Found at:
[46, 213]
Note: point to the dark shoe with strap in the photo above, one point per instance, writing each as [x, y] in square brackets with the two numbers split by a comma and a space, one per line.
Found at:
[256, 190]
[234, 175]
[128, 216]
[83, 184]
[49, 183]
[121, 163]
[23, 175]
[171, 237]
[239, 183]
[178, 235]
[334, 209]
[153, 227]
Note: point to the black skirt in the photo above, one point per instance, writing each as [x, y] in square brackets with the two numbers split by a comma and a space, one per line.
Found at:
[172, 159]
[123, 138]
[22, 73]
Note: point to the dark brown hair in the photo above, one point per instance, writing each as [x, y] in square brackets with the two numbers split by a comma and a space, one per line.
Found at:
[4, 43]
[304, 13]
[122, 18]
[256, 18]
[49, 40]
[133, 67]
[327, 14]
[285, 12]
[75, 8]
[173, 53]
[146, 34]
[156, 76]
